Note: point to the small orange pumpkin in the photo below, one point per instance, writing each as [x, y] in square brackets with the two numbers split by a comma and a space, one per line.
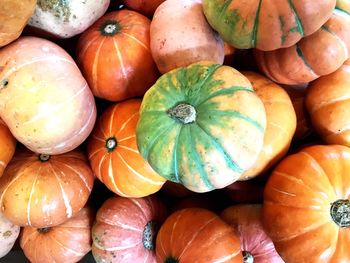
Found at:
[7, 146]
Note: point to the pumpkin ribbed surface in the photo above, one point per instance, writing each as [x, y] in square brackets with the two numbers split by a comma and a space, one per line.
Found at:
[7, 146]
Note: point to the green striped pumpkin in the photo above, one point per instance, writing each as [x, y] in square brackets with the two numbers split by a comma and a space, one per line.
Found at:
[266, 25]
[202, 126]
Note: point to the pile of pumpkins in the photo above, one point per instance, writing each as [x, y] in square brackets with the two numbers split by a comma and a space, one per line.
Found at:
[175, 131]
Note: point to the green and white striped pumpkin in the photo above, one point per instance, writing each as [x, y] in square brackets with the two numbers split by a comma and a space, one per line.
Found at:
[201, 126]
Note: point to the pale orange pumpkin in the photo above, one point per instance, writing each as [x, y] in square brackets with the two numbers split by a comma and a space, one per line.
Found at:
[7, 146]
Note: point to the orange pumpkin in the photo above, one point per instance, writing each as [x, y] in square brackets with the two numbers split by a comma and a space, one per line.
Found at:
[40, 190]
[114, 156]
[328, 104]
[115, 58]
[68, 242]
[7, 146]
[197, 234]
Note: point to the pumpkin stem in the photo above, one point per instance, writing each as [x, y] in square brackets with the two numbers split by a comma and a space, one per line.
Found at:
[340, 212]
[149, 235]
[110, 28]
[44, 157]
[44, 230]
[247, 257]
[111, 144]
[170, 259]
[183, 112]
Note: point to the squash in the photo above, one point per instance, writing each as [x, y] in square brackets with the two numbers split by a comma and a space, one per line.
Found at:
[145, 7]
[327, 101]
[266, 25]
[65, 19]
[195, 127]
[113, 153]
[14, 15]
[44, 100]
[7, 146]
[114, 56]
[306, 205]
[8, 235]
[40, 190]
[281, 123]
[125, 230]
[197, 233]
[180, 36]
[316, 55]
[256, 246]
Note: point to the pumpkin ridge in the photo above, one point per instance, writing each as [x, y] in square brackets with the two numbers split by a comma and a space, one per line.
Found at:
[224, 7]
[256, 25]
[299, 26]
[94, 68]
[175, 161]
[136, 40]
[31, 195]
[335, 35]
[301, 55]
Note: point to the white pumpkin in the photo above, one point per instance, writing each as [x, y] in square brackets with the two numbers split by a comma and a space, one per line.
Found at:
[67, 18]
[8, 235]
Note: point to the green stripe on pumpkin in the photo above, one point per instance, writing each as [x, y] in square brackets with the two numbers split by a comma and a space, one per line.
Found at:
[299, 27]
[342, 10]
[256, 25]
[175, 158]
[301, 55]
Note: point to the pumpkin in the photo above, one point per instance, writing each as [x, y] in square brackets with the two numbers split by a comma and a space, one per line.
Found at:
[14, 15]
[244, 192]
[316, 55]
[307, 205]
[145, 7]
[8, 235]
[65, 19]
[114, 56]
[7, 146]
[266, 25]
[66, 243]
[197, 233]
[180, 36]
[125, 230]
[256, 246]
[44, 100]
[40, 190]
[281, 123]
[195, 126]
[113, 153]
[328, 106]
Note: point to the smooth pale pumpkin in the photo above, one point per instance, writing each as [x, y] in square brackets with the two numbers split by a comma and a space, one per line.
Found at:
[114, 56]
[197, 234]
[14, 15]
[256, 246]
[44, 99]
[316, 55]
[180, 36]
[328, 104]
[113, 153]
[307, 205]
[145, 7]
[40, 190]
[7, 146]
[268, 24]
[8, 235]
[65, 243]
[195, 127]
[281, 123]
[125, 230]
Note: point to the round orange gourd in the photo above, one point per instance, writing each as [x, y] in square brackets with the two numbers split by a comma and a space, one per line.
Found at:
[40, 190]
[145, 7]
[307, 205]
[114, 156]
[196, 233]
[7, 146]
[115, 58]
[66, 243]
[328, 104]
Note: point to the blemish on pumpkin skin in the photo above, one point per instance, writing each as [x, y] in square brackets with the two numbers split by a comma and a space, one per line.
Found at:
[7, 234]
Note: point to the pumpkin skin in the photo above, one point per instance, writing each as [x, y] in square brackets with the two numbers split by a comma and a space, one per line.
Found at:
[302, 213]
[256, 246]
[197, 233]
[14, 15]
[44, 100]
[8, 235]
[188, 126]
[65, 243]
[328, 106]
[113, 153]
[180, 36]
[114, 56]
[125, 230]
[145, 7]
[7, 146]
[42, 190]
[281, 123]
[266, 25]
[316, 55]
